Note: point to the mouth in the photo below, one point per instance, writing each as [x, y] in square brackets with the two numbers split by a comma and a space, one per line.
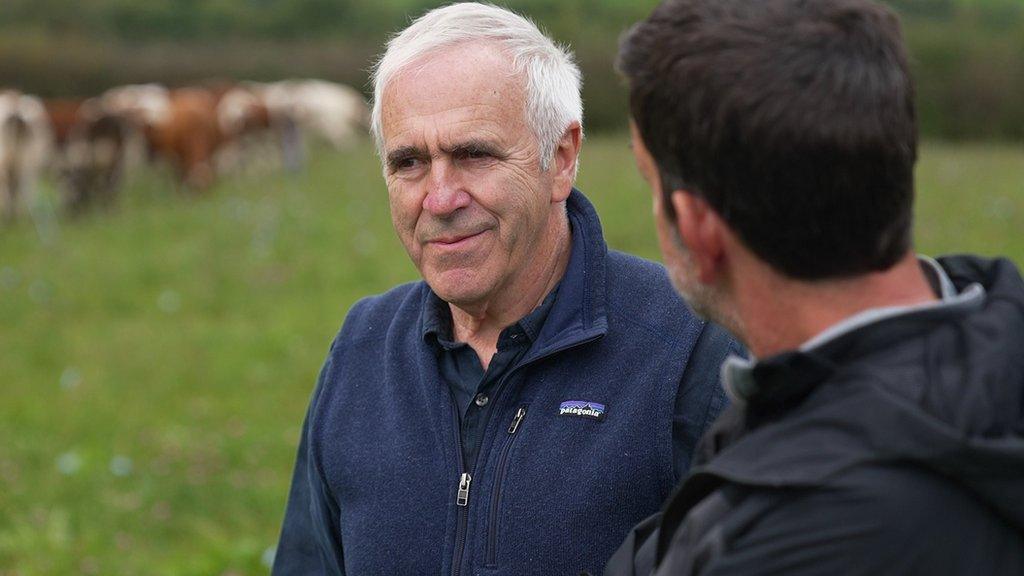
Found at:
[456, 240]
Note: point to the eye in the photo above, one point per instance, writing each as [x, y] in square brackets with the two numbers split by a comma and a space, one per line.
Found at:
[404, 164]
[475, 154]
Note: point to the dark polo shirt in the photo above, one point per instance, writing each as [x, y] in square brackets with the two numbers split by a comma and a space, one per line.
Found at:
[472, 386]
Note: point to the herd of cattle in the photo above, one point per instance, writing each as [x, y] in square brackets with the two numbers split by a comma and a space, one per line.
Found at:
[200, 132]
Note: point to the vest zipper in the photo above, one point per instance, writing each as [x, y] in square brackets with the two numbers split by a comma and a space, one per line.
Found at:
[461, 495]
[492, 523]
[463, 512]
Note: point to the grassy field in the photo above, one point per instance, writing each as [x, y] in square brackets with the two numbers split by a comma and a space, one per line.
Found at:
[155, 362]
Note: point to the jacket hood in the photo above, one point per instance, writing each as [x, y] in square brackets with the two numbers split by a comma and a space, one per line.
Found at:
[942, 388]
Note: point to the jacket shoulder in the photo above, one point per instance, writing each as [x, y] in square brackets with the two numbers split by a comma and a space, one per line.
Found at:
[888, 526]
[369, 321]
[372, 317]
[640, 292]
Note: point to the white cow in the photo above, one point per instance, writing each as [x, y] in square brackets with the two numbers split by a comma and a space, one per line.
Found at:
[143, 106]
[146, 104]
[25, 141]
[335, 112]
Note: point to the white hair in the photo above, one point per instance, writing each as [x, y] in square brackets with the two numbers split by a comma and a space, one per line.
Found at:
[552, 79]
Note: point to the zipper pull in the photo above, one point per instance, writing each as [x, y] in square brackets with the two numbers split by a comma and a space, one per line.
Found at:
[463, 497]
[518, 418]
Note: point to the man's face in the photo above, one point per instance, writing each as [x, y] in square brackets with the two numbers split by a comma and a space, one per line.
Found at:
[681, 268]
[468, 197]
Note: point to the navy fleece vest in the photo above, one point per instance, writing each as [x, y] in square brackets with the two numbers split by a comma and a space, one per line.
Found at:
[380, 487]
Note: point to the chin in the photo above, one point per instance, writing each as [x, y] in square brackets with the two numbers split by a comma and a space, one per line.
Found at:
[457, 287]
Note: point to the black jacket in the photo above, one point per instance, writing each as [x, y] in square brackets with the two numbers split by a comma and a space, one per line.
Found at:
[897, 448]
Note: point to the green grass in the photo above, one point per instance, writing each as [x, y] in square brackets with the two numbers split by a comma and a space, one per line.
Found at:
[155, 362]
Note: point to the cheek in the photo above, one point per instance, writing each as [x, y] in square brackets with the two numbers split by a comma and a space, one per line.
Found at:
[529, 198]
[405, 211]
[522, 225]
[404, 215]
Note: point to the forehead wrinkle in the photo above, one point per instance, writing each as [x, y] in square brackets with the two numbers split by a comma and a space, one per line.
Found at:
[446, 135]
[447, 146]
[499, 70]
[496, 90]
[487, 104]
[508, 66]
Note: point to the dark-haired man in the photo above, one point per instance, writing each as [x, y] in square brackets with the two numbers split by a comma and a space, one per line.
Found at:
[879, 428]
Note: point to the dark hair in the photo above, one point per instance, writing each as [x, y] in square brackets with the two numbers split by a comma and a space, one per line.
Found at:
[793, 119]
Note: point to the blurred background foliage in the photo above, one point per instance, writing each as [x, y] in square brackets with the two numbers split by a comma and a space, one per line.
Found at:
[968, 55]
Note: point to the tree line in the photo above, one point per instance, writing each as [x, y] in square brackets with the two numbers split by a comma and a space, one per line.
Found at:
[968, 55]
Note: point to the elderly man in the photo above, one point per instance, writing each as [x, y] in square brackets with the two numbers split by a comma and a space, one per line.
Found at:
[519, 410]
[881, 430]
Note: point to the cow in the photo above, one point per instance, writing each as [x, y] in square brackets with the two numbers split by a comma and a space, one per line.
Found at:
[332, 112]
[188, 136]
[64, 115]
[90, 145]
[24, 146]
[142, 106]
[143, 103]
[246, 128]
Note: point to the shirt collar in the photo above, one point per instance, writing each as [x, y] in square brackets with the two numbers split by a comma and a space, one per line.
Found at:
[940, 283]
[437, 322]
[738, 373]
[534, 321]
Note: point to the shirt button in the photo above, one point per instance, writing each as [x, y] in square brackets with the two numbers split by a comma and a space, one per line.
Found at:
[481, 400]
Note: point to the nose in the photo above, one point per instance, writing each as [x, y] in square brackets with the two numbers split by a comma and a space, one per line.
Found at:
[445, 193]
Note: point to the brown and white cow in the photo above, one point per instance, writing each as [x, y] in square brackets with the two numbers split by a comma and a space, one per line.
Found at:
[90, 146]
[250, 139]
[24, 145]
[142, 105]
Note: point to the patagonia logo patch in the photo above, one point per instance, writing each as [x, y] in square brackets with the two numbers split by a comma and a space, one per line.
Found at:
[582, 408]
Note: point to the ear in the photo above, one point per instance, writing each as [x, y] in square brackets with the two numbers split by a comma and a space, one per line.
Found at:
[563, 164]
[703, 232]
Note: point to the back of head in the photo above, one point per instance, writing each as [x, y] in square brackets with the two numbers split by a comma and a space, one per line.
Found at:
[794, 119]
[551, 77]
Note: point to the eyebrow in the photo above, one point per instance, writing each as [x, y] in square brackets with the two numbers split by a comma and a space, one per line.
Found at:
[473, 147]
[398, 154]
[459, 149]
